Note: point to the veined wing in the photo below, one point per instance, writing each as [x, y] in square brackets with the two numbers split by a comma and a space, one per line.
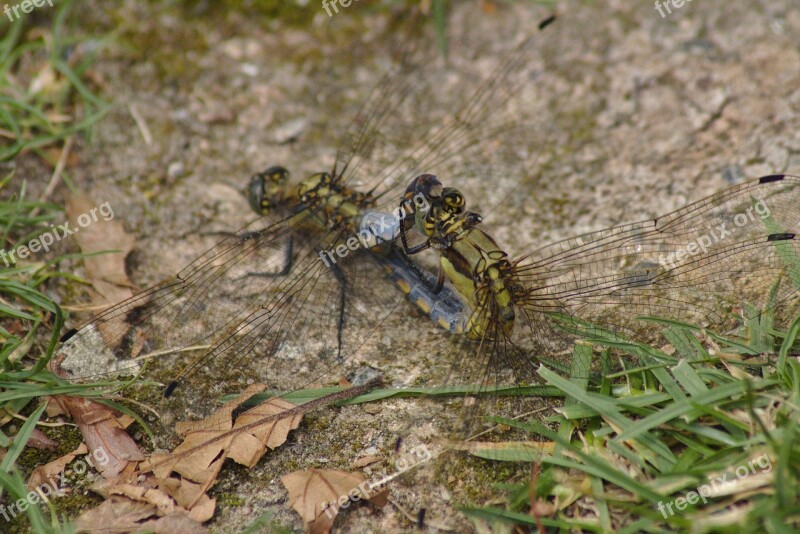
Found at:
[241, 308]
[699, 264]
[404, 129]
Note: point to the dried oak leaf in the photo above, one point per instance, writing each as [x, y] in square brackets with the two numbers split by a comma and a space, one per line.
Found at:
[165, 496]
[94, 233]
[190, 496]
[103, 433]
[43, 474]
[312, 491]
[209, 441]
[120, 514]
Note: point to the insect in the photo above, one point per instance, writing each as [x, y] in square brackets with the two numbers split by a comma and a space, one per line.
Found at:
[295, 294]
[699, 265]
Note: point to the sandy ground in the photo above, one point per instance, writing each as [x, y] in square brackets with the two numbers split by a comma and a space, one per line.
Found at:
[635, 115]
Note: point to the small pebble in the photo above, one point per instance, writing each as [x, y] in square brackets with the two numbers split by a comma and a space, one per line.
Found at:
[249, 69]
[289, 131]
[372, 409]
[175, 169]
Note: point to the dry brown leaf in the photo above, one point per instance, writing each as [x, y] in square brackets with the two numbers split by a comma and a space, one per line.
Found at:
[116, 513]
[321, 525]
[166, 496]
[162, 502]
[52, 470]
[106, 272]
[103, 434]
[209, 441]
[39, 440]
[190, 496]
[120, 514]
[313, 490]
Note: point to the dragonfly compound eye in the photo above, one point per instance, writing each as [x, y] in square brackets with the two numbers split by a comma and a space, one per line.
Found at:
[266, 189]
[453, 200]
[427, 185]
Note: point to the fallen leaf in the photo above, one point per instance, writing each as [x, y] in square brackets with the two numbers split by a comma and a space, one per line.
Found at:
[320, 493]
[209, 441]
[166, 496]
[188, 495]
[160, 500]
[48, 473]
[106, 272]
[103, 433]
[120, 514]
[39, 440]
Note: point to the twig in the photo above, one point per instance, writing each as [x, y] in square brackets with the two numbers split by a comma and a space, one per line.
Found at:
[141, 124]
[56, 176]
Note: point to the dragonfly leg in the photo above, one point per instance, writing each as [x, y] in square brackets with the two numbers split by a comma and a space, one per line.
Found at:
[439, 281]
[287, 263]
[340, 277]
[416, 248]
[422, 275]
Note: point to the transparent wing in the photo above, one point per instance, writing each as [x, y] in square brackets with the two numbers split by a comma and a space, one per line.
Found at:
[699, 264]
[420, 120]
[251, 306]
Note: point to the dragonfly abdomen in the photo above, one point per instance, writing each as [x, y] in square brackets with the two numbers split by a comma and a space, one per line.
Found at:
[446, 308]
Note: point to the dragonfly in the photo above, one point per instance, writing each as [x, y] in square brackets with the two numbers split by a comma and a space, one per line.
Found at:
[297, 293]
[717, 263]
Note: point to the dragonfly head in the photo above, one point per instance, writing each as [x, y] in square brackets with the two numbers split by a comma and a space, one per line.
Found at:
[426, 185]
[266, 189]
[423, 190]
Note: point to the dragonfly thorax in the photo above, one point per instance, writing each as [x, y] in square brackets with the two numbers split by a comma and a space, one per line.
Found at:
[470, 259]
[332, 201]
[322, 193]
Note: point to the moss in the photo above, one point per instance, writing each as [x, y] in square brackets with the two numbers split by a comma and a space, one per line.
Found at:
[230, 500]
[478, 479]
[74, 503]
[168, 51]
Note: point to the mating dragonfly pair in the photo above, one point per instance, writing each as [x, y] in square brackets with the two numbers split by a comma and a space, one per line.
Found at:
[295, 295]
